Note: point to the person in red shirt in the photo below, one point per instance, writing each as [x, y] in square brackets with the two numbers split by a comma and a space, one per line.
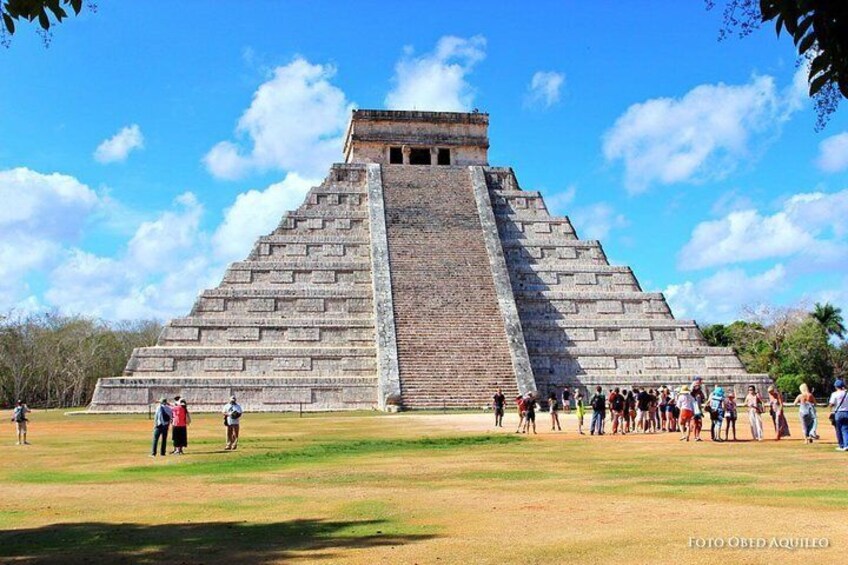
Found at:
[519, 403]
[180, 423]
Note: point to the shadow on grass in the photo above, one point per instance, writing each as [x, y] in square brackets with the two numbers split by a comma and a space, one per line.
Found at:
[211, 542]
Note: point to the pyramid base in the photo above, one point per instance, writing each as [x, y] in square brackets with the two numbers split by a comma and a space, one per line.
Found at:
[203, 394]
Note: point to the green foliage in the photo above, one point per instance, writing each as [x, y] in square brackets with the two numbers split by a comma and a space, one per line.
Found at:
[830, 319]
[46, 12]
[789, 384]
[717, 335]
[794, 348]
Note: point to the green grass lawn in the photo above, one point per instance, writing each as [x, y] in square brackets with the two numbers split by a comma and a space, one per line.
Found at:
[407, 488]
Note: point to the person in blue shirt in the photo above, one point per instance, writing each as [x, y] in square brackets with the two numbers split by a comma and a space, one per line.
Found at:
[161, 423]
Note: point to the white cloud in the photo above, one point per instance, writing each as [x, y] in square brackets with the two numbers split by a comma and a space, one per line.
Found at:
[437, 81]
[703, 135]
[721, 296]
[810, 225]
[559, 202]
[544, 88]
[119, 146]
[833, 153]
[256, 213]
[40, 214]
[596, 221]
[165, 264]
[294, 123]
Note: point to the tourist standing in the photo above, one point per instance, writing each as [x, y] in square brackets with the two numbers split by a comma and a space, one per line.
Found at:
[519, 404]
[686, 403]
[781, 426]
[232, 419]
[663, 408]
[700, 398]
[716, 413]
[598, 402]
[181, 420]
[161, 423]
[580, 410]
[643, 407]
[566, 400]
[498, 403]
[629, 412]
[806, 403]
[730, 414]
[529, 404]
[754, 404]
[553, 408]
[616, 403]
[839, 415]
[19, 417]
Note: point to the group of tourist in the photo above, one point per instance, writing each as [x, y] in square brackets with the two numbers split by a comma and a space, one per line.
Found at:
[176, 418]
[683, 411]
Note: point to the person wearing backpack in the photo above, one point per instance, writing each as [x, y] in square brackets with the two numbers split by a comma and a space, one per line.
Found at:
[19, 417]
[232, 418]
[161, 423]
[599, 408]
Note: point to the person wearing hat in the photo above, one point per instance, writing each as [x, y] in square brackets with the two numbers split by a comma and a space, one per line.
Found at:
[686, 403]
[232, 418]
[839, 415]
[161, 423]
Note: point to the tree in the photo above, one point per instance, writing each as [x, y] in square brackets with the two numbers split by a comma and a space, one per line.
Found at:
[47, 12]
[717, 335]
[819, 29]
[830, 319]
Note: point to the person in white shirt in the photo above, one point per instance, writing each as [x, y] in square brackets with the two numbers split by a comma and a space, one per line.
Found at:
[232, 418]
[839, 402]
[686, 404]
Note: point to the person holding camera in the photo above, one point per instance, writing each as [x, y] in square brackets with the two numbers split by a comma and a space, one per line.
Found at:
[232, 417]
[19, 417]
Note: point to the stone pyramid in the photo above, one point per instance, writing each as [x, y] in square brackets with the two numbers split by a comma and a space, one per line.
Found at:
[416, 276]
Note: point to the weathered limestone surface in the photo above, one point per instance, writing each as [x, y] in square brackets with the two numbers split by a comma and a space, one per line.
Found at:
[587, 323]
[452, 345]
[417, 286]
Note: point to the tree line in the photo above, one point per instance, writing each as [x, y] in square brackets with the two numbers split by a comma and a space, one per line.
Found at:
[793, 345]
[54, 361]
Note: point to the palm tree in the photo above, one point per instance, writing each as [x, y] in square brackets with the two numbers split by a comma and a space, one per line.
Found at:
[830, 319]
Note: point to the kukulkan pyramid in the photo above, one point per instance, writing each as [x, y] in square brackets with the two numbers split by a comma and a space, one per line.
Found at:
[417, 276]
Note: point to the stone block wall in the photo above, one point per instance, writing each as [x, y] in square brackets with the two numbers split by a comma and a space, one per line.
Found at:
[585, 322]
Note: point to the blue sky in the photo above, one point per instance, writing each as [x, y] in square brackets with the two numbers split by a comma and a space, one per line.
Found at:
[151, 143]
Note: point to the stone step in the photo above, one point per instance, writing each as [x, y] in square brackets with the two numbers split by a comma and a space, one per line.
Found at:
[550, 295]
[224, 334]
[206, 393]
[252, 361]
[317, 239]
[270, 322]
[302, 264]
[608, 323]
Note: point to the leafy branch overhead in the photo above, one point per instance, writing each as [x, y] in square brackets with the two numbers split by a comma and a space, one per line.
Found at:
[46, 12]
[819, 29]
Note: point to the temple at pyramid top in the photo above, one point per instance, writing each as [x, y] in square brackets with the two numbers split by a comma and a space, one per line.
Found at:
[394, 137]
[417, 276]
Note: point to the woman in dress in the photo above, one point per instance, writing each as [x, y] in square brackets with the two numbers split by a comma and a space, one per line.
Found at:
[806, 403]
[781, 426]
[754, 403]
